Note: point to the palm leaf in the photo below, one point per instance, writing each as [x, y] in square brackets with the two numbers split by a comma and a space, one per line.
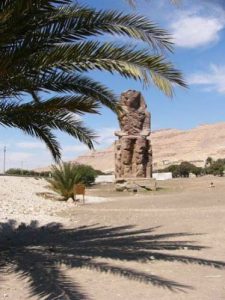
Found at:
[75, 83]
[48, 45]
[79, 22]
[38, 121]
[126, 60]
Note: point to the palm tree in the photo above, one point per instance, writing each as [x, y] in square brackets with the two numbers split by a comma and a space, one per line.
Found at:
[66, 175]
[47, 46]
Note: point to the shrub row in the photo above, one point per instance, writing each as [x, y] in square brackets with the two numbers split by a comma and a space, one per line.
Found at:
[212, 167]
[14, 171]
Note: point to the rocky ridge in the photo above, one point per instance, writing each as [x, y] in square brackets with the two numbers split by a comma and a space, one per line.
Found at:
[171, 146]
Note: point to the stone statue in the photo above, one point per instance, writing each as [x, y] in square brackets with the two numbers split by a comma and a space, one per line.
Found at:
[133, 152]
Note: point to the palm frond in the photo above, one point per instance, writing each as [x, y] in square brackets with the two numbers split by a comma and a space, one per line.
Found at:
[38, 121]
[47, 45]
[43, 133]
[70, 103]
[65, 175]
[59, 82]
[76, 83]
[128, 61]
[77, 22]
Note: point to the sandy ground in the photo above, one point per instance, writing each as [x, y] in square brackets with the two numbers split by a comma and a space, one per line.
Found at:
[164, 245]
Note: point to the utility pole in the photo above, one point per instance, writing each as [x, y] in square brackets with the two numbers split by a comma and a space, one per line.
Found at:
[21, 167]
[4, 157]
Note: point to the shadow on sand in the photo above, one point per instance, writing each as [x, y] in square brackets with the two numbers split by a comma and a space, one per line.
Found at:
[36, 253]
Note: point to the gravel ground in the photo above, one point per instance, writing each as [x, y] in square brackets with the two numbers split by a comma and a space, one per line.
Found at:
[19, 201]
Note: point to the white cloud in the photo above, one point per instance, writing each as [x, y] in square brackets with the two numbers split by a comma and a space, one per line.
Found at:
[213, 79]
[25, 159]
[31, 145]
[106, 136]
[17, 159]
[23, 154]
[19, 156]
[193, 31]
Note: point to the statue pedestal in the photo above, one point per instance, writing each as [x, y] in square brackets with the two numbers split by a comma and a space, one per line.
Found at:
[135, 184]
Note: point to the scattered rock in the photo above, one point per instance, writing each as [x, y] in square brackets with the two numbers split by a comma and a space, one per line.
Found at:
[70, 201]
[136, 185]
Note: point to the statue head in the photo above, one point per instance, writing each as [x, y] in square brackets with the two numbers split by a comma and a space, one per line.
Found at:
[131, 99]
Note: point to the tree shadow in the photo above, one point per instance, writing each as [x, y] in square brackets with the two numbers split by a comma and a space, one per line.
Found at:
[36, 253]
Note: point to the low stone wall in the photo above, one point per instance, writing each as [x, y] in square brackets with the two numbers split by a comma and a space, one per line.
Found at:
[162, 176]
[105, 179]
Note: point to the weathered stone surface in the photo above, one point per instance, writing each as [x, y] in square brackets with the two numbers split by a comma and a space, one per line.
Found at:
[120, 187]
[136, 185]
[133, 152]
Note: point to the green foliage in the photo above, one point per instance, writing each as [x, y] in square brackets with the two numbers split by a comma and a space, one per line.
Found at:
[208, 161]
[216, 168]
[186, 168]
[198, 171]
[183, 170]
[46, 48]
[66, 175]
[212, 167]
[14, 171]
[17, 171]
[85, 174]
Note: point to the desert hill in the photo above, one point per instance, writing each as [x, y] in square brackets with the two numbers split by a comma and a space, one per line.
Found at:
[171, 146]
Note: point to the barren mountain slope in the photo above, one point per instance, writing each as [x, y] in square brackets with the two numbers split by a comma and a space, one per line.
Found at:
[171, 146]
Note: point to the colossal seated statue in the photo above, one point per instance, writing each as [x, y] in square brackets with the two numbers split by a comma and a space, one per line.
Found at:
[133, 152]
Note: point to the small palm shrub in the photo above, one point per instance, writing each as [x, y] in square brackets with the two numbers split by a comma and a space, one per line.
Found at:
[66, 175]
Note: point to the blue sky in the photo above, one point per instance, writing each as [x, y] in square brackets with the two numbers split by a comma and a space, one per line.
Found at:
[199, 35]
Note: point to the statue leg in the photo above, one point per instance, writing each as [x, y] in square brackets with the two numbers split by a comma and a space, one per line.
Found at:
[126, 157]
[140, 157]
[118, 160]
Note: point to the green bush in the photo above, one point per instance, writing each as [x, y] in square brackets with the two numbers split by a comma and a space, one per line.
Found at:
[66, 175]
[208, 161]
[212, 167]
[14, 171]
[86, 174]
[216, 167]
[186, 168]
[198, 171]
[183, 170]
